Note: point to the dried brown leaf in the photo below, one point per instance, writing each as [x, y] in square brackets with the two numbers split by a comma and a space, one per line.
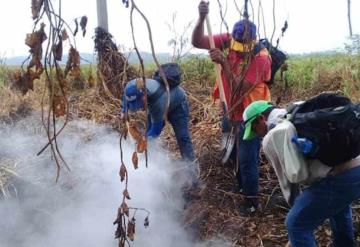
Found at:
[58, 51]
[64, 35]
[122, 172]
[31, 39]
[135, 160]
[36, 6]
[22, 82]
[64, 84]
[91, 80]
[35, 39]
[122, 242]
[125, 209]
[75, 71]
[73, 63]
[146, 221]
[83, 23]
[134, 132]
[59, 105]
[126, 194]
[131, 229]
[141, 145]
[76, 27]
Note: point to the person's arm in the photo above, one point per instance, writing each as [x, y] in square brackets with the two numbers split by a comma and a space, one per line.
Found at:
[198, 38]
[217, 56]
[155, 129]
[156, 111]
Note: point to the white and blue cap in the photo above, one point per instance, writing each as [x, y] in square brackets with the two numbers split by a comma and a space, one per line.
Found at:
[132, 92]
[134, 96]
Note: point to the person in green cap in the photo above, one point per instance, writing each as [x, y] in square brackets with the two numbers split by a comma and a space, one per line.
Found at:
[330, 190]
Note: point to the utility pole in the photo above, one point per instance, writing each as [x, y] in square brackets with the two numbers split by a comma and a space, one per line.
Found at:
[102, 14]
[349, 16]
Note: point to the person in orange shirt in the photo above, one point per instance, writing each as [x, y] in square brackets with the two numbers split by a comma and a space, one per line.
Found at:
[246, 66]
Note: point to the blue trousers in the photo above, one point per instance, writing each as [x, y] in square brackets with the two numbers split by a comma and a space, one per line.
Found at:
[248, 163]
[247, 156]
[179, 119]
[330, 198]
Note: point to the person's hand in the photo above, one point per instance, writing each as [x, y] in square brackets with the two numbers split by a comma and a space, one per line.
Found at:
[217, 56]
[155, 129]
[203, 9]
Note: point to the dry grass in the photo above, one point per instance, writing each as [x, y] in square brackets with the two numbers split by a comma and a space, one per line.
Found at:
[14, 104]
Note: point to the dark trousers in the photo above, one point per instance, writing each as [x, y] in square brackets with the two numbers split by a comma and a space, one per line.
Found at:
[179, 118]
[329, 198]
[246, 155]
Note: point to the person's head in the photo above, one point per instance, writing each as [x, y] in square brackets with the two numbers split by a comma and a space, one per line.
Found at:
[255, 117]
[244, 31]
[134, 96]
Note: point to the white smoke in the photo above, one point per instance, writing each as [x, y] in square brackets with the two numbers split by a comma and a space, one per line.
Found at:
[79, 210]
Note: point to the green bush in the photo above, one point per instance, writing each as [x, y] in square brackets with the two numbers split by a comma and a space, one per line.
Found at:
[199, 69]
[327, 71]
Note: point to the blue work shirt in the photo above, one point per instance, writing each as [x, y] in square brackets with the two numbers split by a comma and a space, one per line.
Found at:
[157, 106]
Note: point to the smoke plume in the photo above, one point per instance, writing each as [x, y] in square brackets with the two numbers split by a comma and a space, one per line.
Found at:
[79, 210]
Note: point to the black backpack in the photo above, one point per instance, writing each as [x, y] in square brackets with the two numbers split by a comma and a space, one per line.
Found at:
[332, 122]
[278, 57]
[172, 72]
[173, 76]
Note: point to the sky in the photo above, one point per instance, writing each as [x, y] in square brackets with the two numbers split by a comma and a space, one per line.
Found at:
[313, 25]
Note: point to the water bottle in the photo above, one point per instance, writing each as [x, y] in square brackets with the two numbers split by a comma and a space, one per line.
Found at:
[304, 145]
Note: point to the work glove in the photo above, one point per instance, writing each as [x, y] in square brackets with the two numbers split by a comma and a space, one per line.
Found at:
[304, 145]
[155, 129]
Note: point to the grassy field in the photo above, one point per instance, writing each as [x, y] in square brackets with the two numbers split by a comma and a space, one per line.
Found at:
[304, 72]
[215, 212]
[336, 71]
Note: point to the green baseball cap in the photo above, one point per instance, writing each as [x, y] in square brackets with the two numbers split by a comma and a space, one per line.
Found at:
[253, 110]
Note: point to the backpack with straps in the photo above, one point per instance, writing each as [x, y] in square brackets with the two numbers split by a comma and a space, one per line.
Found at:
[278, 57]
[332, 122]
[172, 73]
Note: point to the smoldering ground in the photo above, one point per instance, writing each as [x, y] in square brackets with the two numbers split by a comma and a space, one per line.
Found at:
[79, 210]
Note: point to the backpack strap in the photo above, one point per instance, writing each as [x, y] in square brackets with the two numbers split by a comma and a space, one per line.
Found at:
[257, 48]
[157, 94]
